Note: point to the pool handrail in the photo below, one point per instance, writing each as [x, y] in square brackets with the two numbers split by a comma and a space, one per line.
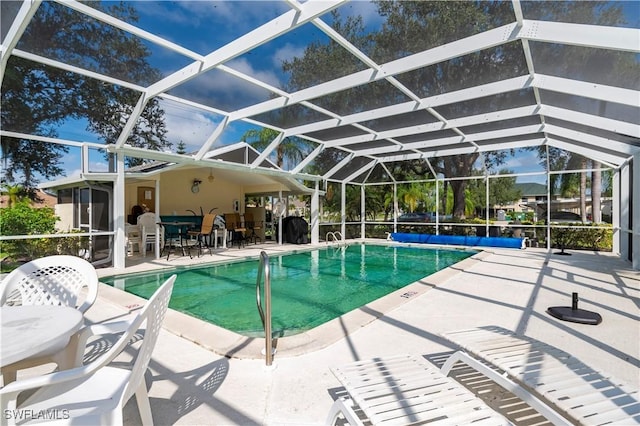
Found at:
[265, 315]
[335, 236]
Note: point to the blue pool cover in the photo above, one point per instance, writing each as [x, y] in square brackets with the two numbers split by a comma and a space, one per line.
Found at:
[460, 240]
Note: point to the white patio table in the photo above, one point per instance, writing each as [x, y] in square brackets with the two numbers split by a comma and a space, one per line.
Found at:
[28, 331]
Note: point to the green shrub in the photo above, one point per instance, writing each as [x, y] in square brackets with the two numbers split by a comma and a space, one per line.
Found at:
[22, 219]
[584, 238]
[74, 246]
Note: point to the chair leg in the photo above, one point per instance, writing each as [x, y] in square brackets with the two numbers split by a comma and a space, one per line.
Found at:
[142, 398]
[72, 355]
[8, 376]
[344, 406]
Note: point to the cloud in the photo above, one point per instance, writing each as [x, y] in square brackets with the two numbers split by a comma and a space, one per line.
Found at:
[245, 67]
[523, 161]
[286, 53]
[367, 10]
[189, 125]
[227, 14]
[222, 90]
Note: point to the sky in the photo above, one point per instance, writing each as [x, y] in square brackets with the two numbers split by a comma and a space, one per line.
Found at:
[203, 26]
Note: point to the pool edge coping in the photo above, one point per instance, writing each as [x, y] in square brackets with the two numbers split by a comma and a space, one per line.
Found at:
[233, 345]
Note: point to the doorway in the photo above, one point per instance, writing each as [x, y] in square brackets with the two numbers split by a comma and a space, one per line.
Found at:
[147, 197]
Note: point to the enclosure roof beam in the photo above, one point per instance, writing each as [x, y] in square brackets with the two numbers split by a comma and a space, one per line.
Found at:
[346, 160]
[440, 150]
[360, 171]
[587, 151]
[13, 34]
[276, 27]
[308, 159]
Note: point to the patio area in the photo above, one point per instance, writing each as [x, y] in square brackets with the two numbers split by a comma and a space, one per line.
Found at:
[189, 384]
[377, 118]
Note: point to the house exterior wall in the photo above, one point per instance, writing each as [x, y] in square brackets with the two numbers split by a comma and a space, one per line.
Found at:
[176, 197]
[64, 212]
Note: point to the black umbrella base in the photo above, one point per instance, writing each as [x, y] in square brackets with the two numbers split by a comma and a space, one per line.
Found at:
[566, 313]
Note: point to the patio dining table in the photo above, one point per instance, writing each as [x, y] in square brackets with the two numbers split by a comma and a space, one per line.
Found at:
[29, 331]
[175, 235]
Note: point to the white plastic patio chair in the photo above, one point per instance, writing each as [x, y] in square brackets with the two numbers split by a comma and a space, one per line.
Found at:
[96, 393]
[148, 224]
[133, 238]
[51, 280]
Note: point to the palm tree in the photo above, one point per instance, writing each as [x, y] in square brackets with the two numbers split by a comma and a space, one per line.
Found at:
[411, 196]
[293, 149]
[14, 193]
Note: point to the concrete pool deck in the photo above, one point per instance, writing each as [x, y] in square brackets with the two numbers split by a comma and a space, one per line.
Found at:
[191, 385]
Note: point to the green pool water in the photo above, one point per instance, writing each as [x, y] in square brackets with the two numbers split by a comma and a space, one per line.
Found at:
[308, 288]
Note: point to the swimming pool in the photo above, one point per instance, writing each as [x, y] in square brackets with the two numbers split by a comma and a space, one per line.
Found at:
[308, 288]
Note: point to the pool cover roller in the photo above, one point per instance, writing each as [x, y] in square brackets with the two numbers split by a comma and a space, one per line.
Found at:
[460, 240]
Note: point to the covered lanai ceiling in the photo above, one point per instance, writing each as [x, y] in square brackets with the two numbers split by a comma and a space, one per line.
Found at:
[529, 74]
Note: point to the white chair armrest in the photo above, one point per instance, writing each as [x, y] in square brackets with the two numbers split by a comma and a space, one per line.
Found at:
[9, 393]
[87, 332]
[92, 295]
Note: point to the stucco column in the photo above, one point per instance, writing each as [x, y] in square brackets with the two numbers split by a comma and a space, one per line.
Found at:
[315, 216]
[120, 241]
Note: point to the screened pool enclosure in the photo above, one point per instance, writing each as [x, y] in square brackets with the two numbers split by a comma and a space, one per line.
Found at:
[468, 118]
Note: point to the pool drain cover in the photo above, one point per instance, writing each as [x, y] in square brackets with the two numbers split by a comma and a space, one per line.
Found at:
[574, 314]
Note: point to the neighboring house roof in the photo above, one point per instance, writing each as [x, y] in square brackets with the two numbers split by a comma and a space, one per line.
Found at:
[48, 200]
[531, 189]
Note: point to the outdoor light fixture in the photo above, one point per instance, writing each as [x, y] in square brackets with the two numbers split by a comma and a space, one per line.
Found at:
[196, 186]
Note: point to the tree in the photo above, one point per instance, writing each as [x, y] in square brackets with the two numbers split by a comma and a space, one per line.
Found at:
[14, 193]
[37, 97]
[576, 185]
[292, 149]
[583, 64]
[413, 26]
[403, 33]
[181, 148]
[503, 190]
[411, 195]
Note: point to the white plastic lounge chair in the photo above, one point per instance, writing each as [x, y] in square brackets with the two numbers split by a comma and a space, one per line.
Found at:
[559, 386]
[95, 394]
[405, 390]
